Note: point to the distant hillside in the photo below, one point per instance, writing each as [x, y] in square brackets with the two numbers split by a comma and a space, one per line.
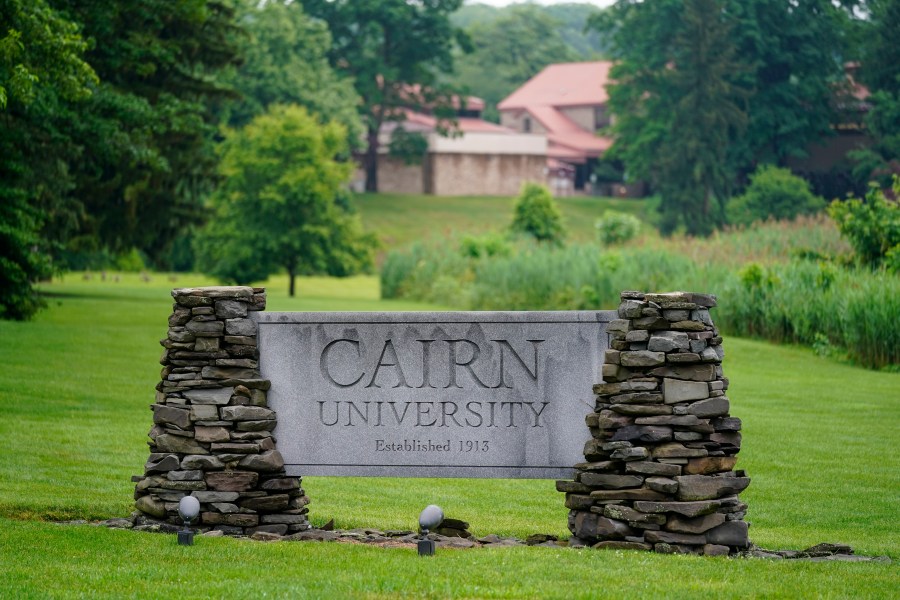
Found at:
[572, 16]
[513, 43]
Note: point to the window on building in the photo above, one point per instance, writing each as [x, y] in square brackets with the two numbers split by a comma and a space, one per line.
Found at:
[526, 125]
[601, 118]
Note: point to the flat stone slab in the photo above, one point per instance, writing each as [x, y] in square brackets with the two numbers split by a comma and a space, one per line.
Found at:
[446, 394]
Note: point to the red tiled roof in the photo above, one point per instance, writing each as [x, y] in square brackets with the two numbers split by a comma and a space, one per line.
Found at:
[564, 84]
[564, 131]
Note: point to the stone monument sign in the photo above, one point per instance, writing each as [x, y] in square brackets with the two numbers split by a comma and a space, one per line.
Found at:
[449, 394]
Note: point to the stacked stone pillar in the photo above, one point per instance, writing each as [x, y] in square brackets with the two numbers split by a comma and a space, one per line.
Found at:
[212, 433]
[659, 472]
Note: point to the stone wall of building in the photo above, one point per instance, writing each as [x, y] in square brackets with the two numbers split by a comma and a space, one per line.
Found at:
[659, 470]
[397, 177]
[212, 433]
[484, 174]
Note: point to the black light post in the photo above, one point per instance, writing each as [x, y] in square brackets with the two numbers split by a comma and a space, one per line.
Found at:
[430, 518]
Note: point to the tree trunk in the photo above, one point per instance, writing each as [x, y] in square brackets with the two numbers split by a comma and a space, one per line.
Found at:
[372, 160]
[291, 276]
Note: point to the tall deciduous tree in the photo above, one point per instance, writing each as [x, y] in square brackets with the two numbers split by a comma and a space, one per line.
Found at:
[276, 206]
[395, 52]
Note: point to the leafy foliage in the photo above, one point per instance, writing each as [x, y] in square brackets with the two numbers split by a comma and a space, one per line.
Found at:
[143, 156]
[793, 75]
[42, 68]
[537, 215]
[276, 206]
[40, 50]
[482, 246]
[881, 160]
[880, 51]
[395, 52]
[285, 61]
[872, 227]
[678, 103]
[693, 75]
[509, 50]
[617, 227]
[408, 146]
[773, 193]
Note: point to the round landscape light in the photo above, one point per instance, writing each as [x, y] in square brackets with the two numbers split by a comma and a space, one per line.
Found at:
[431, 517]
[189, 508]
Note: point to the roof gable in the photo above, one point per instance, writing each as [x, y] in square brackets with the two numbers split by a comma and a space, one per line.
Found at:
[563, 84]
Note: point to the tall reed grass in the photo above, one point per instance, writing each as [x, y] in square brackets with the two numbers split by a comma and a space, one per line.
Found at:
[765, 243]
[813, 302]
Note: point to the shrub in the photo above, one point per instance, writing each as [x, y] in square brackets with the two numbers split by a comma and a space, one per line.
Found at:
[872, 227]
[616, 227]
[537, 215]
[773, 193]
[130, 262]
[482, 246]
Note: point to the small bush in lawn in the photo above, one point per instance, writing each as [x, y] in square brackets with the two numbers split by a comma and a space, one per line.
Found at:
[872, 227]
[537, 215]
[773, 193]
[616, 227]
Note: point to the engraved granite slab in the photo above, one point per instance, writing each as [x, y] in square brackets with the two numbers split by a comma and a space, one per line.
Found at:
[444, 394]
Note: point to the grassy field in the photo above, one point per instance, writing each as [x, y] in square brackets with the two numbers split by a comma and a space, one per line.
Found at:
[398, 219]
[818, 443]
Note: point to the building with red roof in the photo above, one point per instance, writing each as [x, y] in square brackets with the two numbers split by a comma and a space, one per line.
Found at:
[567, 102]
[477, 158]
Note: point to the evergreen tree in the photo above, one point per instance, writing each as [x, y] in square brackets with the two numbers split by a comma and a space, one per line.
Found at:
[142, 157]
[42, 69]
[880, 70]
[795, 52]
[677, 103]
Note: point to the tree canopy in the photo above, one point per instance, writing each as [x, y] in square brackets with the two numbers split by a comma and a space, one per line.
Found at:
[395, 52]
[42, 68]
[107, 129]
[880, 70]
[706, 90]
[508, 51]
[276, 205]
[285, 61]
[678, 104]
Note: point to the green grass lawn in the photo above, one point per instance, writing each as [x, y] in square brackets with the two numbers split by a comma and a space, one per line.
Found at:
[78, 380]
[398, 219]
